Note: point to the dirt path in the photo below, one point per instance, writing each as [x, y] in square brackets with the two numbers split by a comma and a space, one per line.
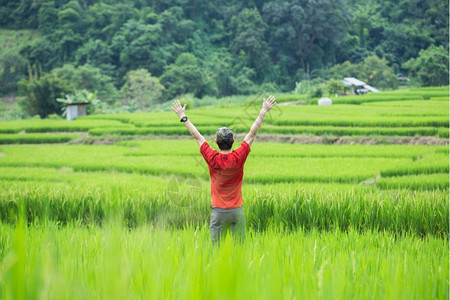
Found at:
[289, 139]
[302, 139]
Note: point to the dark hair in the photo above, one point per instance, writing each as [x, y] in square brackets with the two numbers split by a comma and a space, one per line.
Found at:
[225, 145]
[224, 138]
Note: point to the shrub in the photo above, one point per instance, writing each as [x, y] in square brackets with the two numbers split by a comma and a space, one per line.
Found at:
[41, 95]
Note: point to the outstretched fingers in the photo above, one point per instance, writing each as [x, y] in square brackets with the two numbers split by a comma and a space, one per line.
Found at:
[178, 109]
[176, 104]
[269, 102]
[271, 99]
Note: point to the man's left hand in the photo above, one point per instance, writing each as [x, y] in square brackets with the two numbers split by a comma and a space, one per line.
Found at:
[178, 109]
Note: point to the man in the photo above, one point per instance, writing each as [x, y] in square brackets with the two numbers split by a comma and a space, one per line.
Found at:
[226, 170]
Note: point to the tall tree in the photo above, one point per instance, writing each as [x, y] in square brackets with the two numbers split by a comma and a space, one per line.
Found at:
[431, 66]
[12, 68]
[101, 25]
[297, 26]
[140, 86]
[96, 53]
[136, 46]
[25, 15]
[43, 52]
[184, 76]
[47, 17]
[89, 78]
[376, 72]
[249, 38]
[41, 94]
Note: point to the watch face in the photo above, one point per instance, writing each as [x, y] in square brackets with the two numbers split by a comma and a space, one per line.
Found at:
[183, 119]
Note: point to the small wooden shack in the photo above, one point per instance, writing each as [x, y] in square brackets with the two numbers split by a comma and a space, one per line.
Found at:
[74, 110]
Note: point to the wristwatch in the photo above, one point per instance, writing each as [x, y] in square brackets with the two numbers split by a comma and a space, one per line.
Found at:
[184, 119]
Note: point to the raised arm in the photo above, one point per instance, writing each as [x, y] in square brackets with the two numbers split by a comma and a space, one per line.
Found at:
[267, 105]
[180, 111]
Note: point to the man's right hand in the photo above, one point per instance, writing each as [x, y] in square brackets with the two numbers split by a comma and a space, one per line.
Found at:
[267, 105]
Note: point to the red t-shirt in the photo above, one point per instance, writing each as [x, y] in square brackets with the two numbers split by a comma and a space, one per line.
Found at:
[226, 172]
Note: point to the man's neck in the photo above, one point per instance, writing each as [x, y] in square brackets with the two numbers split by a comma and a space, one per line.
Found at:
[225, 151]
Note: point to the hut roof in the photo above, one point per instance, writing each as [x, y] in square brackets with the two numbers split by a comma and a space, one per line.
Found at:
[349, 81]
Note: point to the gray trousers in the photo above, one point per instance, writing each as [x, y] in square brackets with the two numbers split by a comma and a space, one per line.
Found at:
[223, 220]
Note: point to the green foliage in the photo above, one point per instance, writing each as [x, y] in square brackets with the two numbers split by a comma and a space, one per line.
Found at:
[306, 86]
[334, 86]
[183, 77]
[346, 69]
[249, 31]
[12, 69]
[73, 18]
[135, 46]
[14, 40]
[41, 94]
[242, 83]
[396, 30]
[140, 86]
[224, 79]
[97, 53]
[68, 15]
[12, 111]
[373, 70]
[89, 78]
[302, 28]
[238, 45]
[78, 96]
[431, 66]
[41, 51]
[47, 17]
[377, 73]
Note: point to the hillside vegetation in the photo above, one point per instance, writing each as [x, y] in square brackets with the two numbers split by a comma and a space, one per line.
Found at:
[139, 54]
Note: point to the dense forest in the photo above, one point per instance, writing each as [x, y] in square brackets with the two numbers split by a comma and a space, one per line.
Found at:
[219, 48]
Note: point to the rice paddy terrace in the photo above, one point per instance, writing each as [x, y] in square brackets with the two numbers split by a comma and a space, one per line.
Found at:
[117, 206]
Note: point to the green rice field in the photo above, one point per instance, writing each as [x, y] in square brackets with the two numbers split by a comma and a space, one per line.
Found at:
[411, 113]
[118, 206]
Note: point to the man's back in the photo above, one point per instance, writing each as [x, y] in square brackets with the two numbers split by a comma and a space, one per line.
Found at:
[226, 172]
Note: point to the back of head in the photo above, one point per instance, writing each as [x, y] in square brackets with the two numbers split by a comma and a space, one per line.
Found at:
[224, 138]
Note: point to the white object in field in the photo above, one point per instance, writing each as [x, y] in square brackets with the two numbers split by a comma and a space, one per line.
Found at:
[75, 110]
[325, 101]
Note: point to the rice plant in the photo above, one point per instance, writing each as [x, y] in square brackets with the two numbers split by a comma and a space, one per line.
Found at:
[177, 202]
[37, 138]
[434, 181]
[46, 261]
